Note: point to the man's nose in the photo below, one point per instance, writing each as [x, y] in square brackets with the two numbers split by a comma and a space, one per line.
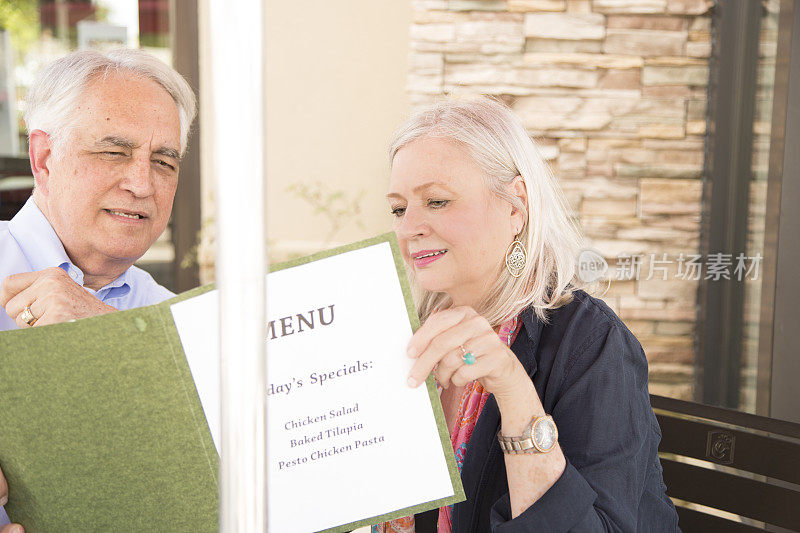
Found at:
[139, 177]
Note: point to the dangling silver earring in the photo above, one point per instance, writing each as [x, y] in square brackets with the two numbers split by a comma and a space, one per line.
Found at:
[515, 258]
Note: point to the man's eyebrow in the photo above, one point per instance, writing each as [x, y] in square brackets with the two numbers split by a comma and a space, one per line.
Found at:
[169, 152]
[112, 140]
[122, 142]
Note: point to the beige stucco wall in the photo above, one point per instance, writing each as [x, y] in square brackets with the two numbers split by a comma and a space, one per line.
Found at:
[335, 91]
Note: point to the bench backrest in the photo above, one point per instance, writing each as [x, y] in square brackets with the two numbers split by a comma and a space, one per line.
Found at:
[726, 460]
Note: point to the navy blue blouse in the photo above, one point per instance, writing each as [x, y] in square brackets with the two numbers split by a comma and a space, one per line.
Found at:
[591, 374]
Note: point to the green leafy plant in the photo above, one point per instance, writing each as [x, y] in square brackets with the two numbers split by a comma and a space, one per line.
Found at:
[337, 206]
[21, 19]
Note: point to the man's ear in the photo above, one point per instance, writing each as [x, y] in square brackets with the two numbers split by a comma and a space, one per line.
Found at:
[518, 217]
[40, 153]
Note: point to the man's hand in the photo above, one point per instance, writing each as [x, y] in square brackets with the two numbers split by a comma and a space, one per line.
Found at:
[8, 528]
[52, 296]
[3, 489]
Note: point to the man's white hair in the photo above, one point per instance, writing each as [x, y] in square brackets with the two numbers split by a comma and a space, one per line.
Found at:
[54, 96]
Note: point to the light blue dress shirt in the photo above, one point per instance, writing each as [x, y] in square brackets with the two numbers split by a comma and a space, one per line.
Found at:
[29, 243]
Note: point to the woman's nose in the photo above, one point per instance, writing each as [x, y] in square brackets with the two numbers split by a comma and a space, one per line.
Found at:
[413, 224]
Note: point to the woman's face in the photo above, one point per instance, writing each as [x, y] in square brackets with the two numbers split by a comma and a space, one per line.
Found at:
[453, 232]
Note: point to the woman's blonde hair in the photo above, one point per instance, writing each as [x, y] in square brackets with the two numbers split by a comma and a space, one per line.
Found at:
[499, 143]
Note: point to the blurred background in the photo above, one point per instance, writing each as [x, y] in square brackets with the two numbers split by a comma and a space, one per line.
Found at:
[669, 124]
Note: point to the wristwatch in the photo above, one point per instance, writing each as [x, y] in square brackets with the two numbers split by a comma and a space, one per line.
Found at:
[540, 436]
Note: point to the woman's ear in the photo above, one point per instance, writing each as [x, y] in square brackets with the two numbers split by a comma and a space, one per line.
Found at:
[40, 152]
[518, 216]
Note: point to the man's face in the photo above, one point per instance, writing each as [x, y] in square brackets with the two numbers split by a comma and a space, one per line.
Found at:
[110, 186]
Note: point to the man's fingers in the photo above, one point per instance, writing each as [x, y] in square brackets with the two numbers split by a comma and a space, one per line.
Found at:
[48, 292]
[16, 283]
[3, 489]
[16, 305]
[8, 528]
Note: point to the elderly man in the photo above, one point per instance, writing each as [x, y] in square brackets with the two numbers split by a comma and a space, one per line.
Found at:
[107, 132]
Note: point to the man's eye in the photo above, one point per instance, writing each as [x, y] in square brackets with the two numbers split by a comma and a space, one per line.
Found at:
[114, 154]
[165, 164]
[398, 211]
[436, 204]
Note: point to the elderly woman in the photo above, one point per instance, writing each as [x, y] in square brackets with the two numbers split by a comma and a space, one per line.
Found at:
[543, 387]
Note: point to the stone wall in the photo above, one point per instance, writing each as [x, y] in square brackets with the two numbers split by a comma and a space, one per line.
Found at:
[615, 93]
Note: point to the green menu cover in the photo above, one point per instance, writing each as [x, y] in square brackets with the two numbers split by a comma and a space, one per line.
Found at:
[102, 428]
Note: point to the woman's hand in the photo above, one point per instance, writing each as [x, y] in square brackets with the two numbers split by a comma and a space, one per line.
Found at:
[8, 528]
[439, 342]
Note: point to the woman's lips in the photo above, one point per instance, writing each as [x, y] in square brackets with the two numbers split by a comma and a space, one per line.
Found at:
[426, 257]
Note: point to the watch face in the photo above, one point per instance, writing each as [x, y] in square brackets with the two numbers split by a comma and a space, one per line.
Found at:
[544, 434]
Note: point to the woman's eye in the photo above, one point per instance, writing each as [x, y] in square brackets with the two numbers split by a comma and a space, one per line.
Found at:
[436, 204]
[398, 211]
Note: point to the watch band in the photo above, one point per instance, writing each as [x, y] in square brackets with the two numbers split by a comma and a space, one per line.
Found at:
[526, 443]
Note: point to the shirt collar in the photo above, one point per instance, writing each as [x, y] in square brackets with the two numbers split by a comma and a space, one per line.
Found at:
[37, 239]
[43, 249]
[117, 288]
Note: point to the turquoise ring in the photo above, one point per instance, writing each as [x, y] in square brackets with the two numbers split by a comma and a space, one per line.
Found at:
[467, 357]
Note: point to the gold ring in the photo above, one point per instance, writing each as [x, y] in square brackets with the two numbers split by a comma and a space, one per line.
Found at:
[27, 316]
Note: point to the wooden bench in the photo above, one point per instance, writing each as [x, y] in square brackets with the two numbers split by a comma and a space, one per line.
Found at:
[724, 460]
